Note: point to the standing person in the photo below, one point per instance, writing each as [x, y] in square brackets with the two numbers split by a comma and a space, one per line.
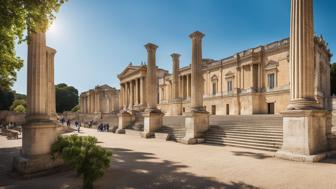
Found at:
[107, 127]
[78, 128]
[76, 123]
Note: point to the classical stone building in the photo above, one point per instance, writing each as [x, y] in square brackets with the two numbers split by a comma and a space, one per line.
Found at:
[101, 99]
[254, 81]
[133, 86]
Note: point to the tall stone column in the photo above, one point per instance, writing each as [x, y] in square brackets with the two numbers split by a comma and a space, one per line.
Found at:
[39, 131]
[304, 127]
[197, 120]
[175, 83]
[136, 99]
[152, 115]
[142, 91]
[51, 85]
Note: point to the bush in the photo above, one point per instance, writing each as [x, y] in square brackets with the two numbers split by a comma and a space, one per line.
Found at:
[20, 108]
[17, 103]
[82, 153]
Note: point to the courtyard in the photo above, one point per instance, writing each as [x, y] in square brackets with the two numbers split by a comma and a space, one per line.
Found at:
[153, 163]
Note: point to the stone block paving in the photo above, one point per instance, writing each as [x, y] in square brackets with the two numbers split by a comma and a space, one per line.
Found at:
[152, 163]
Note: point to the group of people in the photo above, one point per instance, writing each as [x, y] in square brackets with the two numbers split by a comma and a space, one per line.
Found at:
[103, 127]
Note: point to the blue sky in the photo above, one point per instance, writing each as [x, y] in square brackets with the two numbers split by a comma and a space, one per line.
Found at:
[96, 40]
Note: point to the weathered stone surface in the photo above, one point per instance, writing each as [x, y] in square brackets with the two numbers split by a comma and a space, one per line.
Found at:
[125, 120]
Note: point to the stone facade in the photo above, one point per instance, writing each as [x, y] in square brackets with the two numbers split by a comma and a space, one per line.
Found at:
[254, 81]
[133, 87]
[101, 99]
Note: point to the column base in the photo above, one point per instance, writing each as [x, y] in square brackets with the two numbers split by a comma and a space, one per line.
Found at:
[304, 135]
[36, 166]
[196, 123]
[125, 120]
[152, 122]
[304, 158]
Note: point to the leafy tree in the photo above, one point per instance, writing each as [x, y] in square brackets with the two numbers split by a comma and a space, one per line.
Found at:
[333, 79]
[76, 108]
[16, 17]
[19, 96]
[20, 108]
[82, 153]
[6, 98]
[66, 97]
[18, 102]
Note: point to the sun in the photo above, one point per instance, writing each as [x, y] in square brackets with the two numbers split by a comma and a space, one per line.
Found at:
[52, 28]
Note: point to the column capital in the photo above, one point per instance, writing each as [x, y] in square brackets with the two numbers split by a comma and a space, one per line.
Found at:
[196, 35]
[151, 47]
[51, 50]
[175, 55]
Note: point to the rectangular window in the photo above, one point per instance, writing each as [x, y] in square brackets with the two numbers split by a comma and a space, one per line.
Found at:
[271, 82]
[229, 86]
[214, 88]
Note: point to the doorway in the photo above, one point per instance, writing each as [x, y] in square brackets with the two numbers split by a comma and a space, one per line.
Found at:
[270, 108]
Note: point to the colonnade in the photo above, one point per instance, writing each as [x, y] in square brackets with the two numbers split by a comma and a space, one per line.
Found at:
[102, 99]
[132, 93]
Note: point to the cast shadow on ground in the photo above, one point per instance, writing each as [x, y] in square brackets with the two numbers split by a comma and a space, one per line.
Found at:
[132, 169]
[129, 169]
[251, 154]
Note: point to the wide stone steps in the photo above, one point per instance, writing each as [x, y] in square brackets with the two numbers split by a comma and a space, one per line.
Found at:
[262, 132]
[176, 132]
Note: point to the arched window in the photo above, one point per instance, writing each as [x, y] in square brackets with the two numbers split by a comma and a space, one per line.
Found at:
[214, 81]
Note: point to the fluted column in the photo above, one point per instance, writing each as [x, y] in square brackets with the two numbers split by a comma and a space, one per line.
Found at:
[142, 91]
[37, 77]
[175, 83]
[136, 99]
[39, 131]
[302, 55]
[151, 81]
[51, 106]
[196, 72]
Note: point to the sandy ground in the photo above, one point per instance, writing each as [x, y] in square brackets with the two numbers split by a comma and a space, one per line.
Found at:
[151, 163]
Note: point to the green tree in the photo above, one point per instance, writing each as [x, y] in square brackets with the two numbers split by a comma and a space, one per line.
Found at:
[16, 17]
[20, 108]
[6, 98]
[84, 156]
[333, 79]
[66, 97]
[18, 102]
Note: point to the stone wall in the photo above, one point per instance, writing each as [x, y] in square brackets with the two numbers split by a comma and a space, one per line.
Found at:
[9, 116]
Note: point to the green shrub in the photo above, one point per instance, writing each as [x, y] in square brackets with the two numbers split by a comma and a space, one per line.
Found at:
[82, 153]
[17, 103]
[20, 108]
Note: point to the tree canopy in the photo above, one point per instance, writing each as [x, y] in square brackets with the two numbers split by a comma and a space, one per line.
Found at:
[17, 17]
[66, 97]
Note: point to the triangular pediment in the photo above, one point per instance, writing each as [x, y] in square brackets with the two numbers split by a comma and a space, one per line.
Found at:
[129, 70]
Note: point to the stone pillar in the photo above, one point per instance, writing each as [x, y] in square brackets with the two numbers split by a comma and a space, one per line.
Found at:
[136, 99]
[142, 91]
[124, 117]
[197, 120]
[39, 131]
[152, 115]
[304, 127]
[175, 83]
[51, 106]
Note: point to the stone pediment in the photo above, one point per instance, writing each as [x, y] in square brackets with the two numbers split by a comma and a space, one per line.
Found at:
[129, 70]
[272, 65]
[229, 75]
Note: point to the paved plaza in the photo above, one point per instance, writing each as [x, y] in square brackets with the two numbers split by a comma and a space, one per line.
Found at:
[153, 163]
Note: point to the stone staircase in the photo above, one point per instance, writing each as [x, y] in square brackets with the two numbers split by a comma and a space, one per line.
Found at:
[263, 132]
[174, 127]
